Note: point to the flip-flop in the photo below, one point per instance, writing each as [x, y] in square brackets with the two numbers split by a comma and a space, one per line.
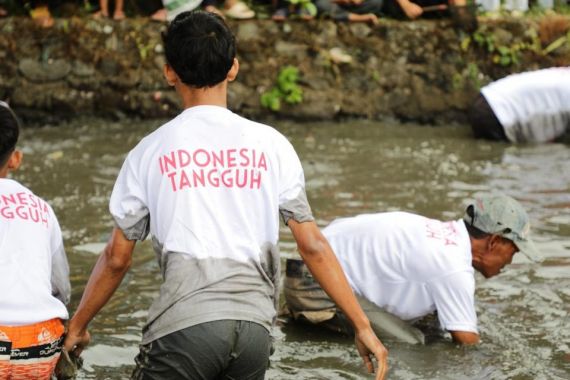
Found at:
[239, 11]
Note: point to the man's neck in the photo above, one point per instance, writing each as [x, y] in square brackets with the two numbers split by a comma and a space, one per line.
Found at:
[211, 96]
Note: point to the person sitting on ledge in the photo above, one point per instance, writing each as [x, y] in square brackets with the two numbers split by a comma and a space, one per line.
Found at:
[528, 107]
[404, 266]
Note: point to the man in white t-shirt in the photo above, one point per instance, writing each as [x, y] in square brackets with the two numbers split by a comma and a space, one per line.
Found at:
[33, 269]
[409, 266]
[529, 107]
[209, 186]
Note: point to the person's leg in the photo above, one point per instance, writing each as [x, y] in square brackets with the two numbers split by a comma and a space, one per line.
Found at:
[118, 12]
[103, 9]
[484, 122]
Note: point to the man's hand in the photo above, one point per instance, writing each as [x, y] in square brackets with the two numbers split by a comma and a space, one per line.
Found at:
[367, 345]
[369, 18]
[76, 341]
[411, 10]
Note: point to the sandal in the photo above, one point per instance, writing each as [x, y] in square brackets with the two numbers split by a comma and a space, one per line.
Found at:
[239, 11]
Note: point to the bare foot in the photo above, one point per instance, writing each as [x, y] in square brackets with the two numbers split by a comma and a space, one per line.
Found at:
[119, 15]
[213, 9]
[3, 12]
[99, 15]
[159, 15]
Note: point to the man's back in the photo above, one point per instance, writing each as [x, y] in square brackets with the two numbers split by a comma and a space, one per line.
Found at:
[532, 106]
[405, 263]
[32, 261]
[212, 183]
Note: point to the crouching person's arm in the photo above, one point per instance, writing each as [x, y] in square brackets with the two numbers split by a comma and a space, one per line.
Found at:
[323, 264]
[105, 278]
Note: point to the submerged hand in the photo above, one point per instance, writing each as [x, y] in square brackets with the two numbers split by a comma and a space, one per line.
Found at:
[76, 341]
[367, 345]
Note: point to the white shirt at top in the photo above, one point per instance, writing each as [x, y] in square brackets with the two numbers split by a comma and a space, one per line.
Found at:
[213, 183]
[409, 265]
[532, 106]
[33, 265]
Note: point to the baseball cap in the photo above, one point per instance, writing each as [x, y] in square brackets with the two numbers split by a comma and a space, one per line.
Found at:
[504, 216]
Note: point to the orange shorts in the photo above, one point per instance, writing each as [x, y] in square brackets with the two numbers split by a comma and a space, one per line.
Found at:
[31, 351]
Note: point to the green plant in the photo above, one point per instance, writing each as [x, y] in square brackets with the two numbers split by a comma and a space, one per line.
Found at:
[306, 5]
[286, 89]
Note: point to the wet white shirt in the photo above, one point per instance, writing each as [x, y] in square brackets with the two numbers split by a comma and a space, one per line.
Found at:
[33, 265]
[209, 186]
[532, 106]
[409, 265]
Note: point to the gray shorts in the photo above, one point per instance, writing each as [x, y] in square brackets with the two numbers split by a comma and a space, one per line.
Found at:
[307, 301]
[225, 349]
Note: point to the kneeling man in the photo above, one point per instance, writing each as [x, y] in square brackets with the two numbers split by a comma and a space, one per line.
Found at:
[404, 266]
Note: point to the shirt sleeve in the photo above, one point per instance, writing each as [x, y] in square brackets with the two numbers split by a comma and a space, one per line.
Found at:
[128, 204]
[60, 285]
[454, 297]
[293, 203]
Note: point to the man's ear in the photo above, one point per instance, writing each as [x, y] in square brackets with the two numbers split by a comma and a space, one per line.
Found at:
[15, 160]
[232, 74]
[169, 74]
[494, 241]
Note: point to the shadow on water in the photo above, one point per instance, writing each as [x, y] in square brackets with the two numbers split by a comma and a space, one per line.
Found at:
[351, 168]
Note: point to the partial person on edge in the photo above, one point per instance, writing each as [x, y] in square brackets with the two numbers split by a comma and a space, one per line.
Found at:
[33, 269]
[528, 107]
[404, 266]
[209, 187]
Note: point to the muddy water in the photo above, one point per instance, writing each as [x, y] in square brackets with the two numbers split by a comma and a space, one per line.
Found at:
[351, 168]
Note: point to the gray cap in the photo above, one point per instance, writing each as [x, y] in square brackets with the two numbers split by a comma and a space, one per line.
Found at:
[504, 216]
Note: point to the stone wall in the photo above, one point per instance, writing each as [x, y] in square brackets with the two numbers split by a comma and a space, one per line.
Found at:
[425, 71]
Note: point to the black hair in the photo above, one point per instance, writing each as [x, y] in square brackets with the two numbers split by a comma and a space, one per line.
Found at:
[9, 132]
[473, 231]
[200, 47]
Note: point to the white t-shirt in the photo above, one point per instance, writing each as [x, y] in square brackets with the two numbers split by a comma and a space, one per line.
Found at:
[409, 265]
[533, 106]
[210, 185]
[33, 265]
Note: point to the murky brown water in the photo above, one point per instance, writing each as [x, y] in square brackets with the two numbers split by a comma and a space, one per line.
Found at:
[351, 168]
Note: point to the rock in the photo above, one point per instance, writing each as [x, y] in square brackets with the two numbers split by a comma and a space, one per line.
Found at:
[49, 71]
[360, 30]
[291, 49]
[248, 31]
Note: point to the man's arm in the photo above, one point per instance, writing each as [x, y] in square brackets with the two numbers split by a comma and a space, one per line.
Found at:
[105, 278]
[465, 337]
[323, 264]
